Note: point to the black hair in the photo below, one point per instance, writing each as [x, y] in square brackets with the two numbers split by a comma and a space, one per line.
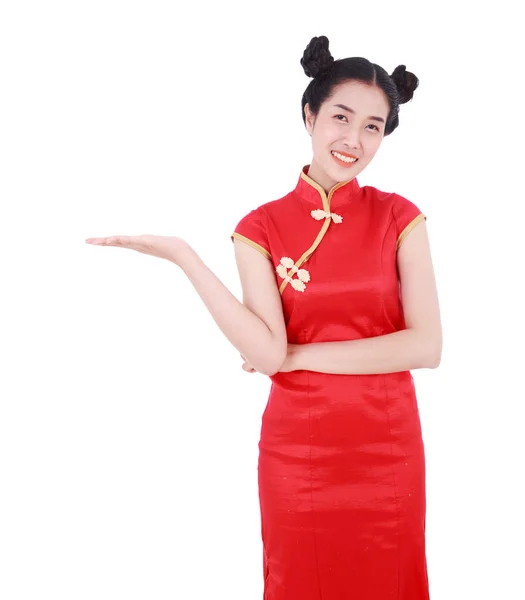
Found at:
[327, 73]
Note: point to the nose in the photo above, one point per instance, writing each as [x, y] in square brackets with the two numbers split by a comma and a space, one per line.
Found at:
[351, 138]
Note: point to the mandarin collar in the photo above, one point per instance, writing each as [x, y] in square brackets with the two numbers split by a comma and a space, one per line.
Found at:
[311, 192]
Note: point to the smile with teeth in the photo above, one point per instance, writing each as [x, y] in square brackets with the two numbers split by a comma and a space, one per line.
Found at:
[346, 159]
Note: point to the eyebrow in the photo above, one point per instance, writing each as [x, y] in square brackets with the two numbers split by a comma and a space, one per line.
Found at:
[351, 110]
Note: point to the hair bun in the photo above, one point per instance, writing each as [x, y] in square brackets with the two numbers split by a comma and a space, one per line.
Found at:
[406, 83]
[317, 58]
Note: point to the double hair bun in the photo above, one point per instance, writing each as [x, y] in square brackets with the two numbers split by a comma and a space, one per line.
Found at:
[316, 58]
[405, 82]
[317, 61]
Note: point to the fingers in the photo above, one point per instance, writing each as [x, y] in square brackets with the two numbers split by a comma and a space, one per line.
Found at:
[114, 240]
[125, 241]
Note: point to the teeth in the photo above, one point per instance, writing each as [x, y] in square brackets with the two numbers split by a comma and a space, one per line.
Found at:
[344, 158]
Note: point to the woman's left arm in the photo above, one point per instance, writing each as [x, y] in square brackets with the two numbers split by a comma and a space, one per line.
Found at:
[416, 347]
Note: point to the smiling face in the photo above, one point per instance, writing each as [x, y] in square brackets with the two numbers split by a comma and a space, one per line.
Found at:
[352, 122]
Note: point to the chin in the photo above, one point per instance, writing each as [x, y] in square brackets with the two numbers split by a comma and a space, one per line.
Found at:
[340, 173]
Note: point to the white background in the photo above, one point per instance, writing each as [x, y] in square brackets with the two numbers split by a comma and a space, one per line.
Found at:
[128, 430]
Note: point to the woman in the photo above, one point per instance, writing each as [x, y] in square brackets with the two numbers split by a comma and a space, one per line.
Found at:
[339, 303]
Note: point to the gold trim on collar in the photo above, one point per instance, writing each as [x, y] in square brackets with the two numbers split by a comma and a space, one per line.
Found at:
[325, 199]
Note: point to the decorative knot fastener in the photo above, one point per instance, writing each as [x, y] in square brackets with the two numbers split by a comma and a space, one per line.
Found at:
[302, 274]
[319, 214]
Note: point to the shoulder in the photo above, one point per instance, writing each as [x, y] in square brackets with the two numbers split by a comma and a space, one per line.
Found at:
[406, 215]
[266, 212]
[401, 213]
[254, 228]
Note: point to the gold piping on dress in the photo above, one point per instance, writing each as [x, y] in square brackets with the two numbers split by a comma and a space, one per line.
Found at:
[328, 220]
[409, 228]
[255, 245]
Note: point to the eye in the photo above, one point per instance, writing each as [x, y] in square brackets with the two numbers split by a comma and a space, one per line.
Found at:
[344, 117]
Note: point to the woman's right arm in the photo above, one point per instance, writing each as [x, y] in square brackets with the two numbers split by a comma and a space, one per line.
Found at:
[256, 326]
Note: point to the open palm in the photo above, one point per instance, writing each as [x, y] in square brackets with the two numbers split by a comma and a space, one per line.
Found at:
[167, 247]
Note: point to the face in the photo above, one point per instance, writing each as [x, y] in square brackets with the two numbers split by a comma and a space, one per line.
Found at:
[356, 130]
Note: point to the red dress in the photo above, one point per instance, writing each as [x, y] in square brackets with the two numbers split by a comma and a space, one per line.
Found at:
[341, 458]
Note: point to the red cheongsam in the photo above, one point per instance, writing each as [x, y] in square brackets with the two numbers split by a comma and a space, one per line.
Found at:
[341, 465]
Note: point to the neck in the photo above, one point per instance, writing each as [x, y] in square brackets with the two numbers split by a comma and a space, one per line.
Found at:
[320, 177]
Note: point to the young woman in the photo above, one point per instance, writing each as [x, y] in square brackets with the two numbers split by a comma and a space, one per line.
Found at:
[339, 303]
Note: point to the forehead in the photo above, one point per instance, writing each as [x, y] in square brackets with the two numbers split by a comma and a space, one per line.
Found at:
[363, 98]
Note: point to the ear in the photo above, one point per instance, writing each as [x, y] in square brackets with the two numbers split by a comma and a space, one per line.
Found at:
[310, 119]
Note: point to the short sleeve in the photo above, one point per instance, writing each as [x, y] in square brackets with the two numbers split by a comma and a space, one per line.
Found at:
[406, 216]
[251, 230]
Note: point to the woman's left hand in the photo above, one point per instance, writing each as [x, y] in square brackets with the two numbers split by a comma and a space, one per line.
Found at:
[246, 366]
[168, 247]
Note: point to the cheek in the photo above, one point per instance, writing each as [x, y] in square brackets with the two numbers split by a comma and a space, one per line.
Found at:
[372, 147]
[320, 144]
[326, 139]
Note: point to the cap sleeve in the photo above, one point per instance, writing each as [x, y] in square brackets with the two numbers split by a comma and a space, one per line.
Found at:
[251, 230]
[406, 216]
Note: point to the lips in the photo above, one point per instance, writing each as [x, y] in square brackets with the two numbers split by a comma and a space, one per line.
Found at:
[345, 154]
[341, 163]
